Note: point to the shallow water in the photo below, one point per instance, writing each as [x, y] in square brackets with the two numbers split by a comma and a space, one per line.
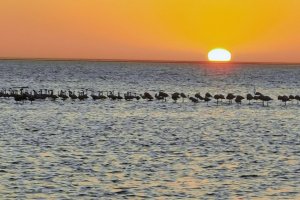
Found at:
[155, 150]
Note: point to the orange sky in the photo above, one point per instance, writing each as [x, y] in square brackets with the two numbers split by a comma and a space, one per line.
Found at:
[253, 30]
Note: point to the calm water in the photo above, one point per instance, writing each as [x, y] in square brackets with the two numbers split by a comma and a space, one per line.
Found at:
[155, 150]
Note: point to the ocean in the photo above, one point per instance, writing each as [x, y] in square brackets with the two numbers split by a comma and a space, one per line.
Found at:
[149, 149]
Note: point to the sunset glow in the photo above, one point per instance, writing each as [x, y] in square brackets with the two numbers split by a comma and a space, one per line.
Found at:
[254, 30]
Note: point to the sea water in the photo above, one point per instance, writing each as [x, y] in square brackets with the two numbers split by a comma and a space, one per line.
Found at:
[149, 149]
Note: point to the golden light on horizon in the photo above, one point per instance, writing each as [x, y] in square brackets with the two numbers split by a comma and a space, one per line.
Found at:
[150, 30]
[219, 55]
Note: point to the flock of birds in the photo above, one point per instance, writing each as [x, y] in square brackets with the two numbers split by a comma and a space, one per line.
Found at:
[23, 94]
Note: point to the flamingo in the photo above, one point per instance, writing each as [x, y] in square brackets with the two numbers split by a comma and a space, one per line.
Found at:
[51, 95]
[221, 96]
[207, 99]
[208, 95]
[136, 96]
[266, 99]
[95, 97]
[198, 96]
[194, 100]
[119, 97]
[292, 97]
[111, 95]
[31, 97]
[183, 96]
[147, 96]
[230, 97]
[161, 96]
[158, 97]
[297, 97]
[258, 94]
[128, 96]
[238, 99]
[217, 97]
[63, 95]
[175, 96]
[249, 97]
[284, 99]
[72, 95]
[101, 95]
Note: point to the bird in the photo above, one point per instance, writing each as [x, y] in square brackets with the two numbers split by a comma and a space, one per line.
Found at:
[208, 95]
[297, 97]
[291, 97]
[218, 97]
[31, 97]
[221, 96]
[147, 96]
[136, 96]
[256, 97]
[230, 97]
[95, 97]
[198, 96]
[128, 96]
[175, 96]
[207, 99]
[163, 95]
[111, 95]
[72, 95]
[238, 99]
[194, 100]
[102, 96]
[283, 98]
[159, 97]
[52, 95]
[119, 97]
[249, 97]
[63, 95]
[84, 94]
[258, 94]
[183, 96]
[266, 99]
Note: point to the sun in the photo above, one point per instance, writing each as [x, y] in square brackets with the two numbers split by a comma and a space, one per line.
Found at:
[220, 55]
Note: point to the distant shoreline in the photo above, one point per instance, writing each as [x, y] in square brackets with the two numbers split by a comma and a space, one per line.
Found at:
[143, 61]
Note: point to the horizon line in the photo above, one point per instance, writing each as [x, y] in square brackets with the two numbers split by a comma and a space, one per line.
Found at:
[146, 61]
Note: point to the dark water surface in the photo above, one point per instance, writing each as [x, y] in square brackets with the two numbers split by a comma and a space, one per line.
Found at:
[155, 150]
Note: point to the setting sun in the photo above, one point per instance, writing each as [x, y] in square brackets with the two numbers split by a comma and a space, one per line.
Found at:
[219, 55]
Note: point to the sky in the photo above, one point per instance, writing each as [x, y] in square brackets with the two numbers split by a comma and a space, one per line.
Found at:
[252, 30]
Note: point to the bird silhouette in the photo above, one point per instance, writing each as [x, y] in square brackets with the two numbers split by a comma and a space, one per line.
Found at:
[175, 96]
[183, 96]
[230, 97]
[249, 97]
[217, 97]
[238, 99]
[283, 98]
[198, 96]
[297, 97]
[194, 100]
[265, 99]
